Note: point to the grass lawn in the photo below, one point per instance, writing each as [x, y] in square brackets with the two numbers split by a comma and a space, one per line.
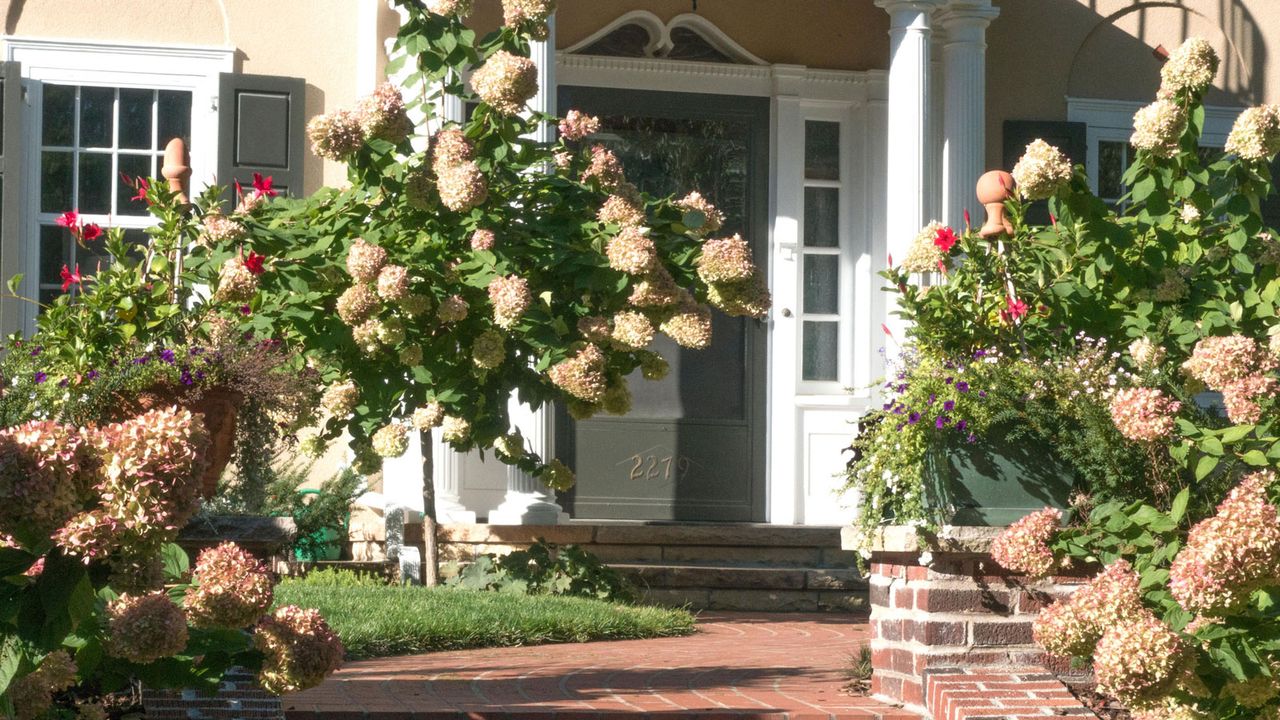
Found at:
[376, 621]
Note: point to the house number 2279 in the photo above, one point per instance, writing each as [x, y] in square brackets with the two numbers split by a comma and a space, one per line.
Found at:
[652, 467]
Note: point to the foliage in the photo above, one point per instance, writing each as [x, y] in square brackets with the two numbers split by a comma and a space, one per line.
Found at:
[398, 620]
[545, 569]
[1183, 274]
[337, 578]
[469, 261]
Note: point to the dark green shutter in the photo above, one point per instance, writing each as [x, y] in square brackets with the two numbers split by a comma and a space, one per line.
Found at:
[261, 126]
[11, 238]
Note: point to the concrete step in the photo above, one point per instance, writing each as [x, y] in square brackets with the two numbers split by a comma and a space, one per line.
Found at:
[766, 589]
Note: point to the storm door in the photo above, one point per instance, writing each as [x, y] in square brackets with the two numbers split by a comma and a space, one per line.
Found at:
[693, 447]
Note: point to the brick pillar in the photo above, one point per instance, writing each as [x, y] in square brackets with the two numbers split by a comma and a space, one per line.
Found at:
[951, 608]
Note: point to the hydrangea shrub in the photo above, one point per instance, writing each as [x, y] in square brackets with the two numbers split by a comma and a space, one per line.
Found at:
[1175, 289]
[467, 261]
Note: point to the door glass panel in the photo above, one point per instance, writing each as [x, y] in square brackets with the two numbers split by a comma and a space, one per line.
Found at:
[821, 217]
[134, 166]
[97, 116]
[821, 348]
[821, 150]
[822, 284]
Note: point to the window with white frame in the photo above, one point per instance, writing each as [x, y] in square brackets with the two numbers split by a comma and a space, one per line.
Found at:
[824, 322]
[1110, 123]
[95, 112]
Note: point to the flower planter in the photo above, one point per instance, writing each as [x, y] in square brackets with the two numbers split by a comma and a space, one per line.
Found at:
[995, 482]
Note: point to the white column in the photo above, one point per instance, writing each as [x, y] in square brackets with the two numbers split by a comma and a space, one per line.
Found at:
[910, 140]
[965, 117]
[528, 501]
[402, 490]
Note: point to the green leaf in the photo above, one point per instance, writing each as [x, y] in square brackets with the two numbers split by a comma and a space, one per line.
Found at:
[1205, 466]
[176, 562]
[1236, 432]
[14, 283]
[1179, 507]
[1255, 458]
[1211, 446]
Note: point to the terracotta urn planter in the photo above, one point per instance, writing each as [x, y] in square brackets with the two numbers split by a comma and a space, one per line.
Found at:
[219, 406]
[994, 188]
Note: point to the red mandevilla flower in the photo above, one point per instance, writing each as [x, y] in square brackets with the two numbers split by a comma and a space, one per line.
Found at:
[263, 185]
[90, 231]
[253, 263]
[70, 278]
[944, 239]
[1014, 309]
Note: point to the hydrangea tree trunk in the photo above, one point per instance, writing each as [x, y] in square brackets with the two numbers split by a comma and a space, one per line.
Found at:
[430, 547]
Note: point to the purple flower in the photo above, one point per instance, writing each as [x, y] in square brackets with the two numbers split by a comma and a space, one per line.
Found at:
[888, 405]
[167, 356]
[971, 439]
[64, 382]
[932, 397]
[962, 386]
[982, 393]
[913, 418]
[979, 354]
[37, 350]
[941, 421]
[186, 379]
[948, 380]
[199, 374]
[902, 388]
[41, 377]
[898, 410]
[91, 375]
[962, 425]
[949, 405]
[142, 360]
[193, 352]
[245, 310]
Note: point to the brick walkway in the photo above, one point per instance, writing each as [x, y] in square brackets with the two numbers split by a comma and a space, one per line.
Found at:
[739, 665]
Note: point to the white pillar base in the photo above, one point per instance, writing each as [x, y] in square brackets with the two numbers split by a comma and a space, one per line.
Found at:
[524, 508]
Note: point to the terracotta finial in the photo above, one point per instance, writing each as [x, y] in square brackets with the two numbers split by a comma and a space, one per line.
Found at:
[994, 188]
[177, 168]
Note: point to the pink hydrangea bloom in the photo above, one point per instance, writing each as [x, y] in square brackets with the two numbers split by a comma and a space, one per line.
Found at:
[365, 261]
[45, 473]
[726, 260]
[689, 326]
[605, 168]
[299, 647]
[1139, 660]
[1228, 556]
[145, 628]
[1241, 397]
[577, 125]
[1218, 361]
[510, 297]
[230, 588]
[631, 251]
[506, 82]
[1144, 414]
[382, 114]
[1023, 546]
[1071, 628]
[581, 375]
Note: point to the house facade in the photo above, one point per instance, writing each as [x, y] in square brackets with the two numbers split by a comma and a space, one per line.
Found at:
[829, 131]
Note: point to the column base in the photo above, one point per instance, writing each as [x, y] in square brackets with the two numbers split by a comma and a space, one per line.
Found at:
[520, 508]
[452, 512]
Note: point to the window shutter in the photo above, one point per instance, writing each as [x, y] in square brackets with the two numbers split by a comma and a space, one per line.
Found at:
[261, 122]
[11, 239]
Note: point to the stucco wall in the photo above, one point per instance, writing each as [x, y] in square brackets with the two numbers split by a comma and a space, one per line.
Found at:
[1041, 52]
[313, 39]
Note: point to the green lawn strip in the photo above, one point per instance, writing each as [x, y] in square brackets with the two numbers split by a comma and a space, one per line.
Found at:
[383, 621]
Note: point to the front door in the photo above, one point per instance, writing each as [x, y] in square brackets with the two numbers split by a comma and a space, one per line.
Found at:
[693, 446]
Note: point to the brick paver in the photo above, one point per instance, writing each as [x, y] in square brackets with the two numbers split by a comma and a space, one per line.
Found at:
[739, 665]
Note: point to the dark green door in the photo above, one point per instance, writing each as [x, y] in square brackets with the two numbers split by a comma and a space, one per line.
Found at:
[693, 447]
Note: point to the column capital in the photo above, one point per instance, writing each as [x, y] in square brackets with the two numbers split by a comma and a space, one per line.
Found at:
[964, 14]
[905, 13]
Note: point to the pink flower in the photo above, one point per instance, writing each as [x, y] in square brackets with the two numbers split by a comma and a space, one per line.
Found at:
[1144, 414]
[299, 647]
[1014, 310]
[69, 219]
[253, 262]
[230, 588]
[1072, 627]
[145, 628]
[577, 125]
[1228, 556]
[945, 239]
[1137, 661]
[70, 278]
[263, 185]
[1023, 547]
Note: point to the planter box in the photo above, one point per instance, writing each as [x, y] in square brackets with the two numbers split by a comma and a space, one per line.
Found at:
[995, 482]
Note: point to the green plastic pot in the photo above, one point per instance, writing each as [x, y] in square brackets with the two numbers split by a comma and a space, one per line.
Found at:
[995, 481]
[323, 544]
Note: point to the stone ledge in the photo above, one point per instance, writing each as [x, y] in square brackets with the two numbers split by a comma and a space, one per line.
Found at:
[959, 539]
